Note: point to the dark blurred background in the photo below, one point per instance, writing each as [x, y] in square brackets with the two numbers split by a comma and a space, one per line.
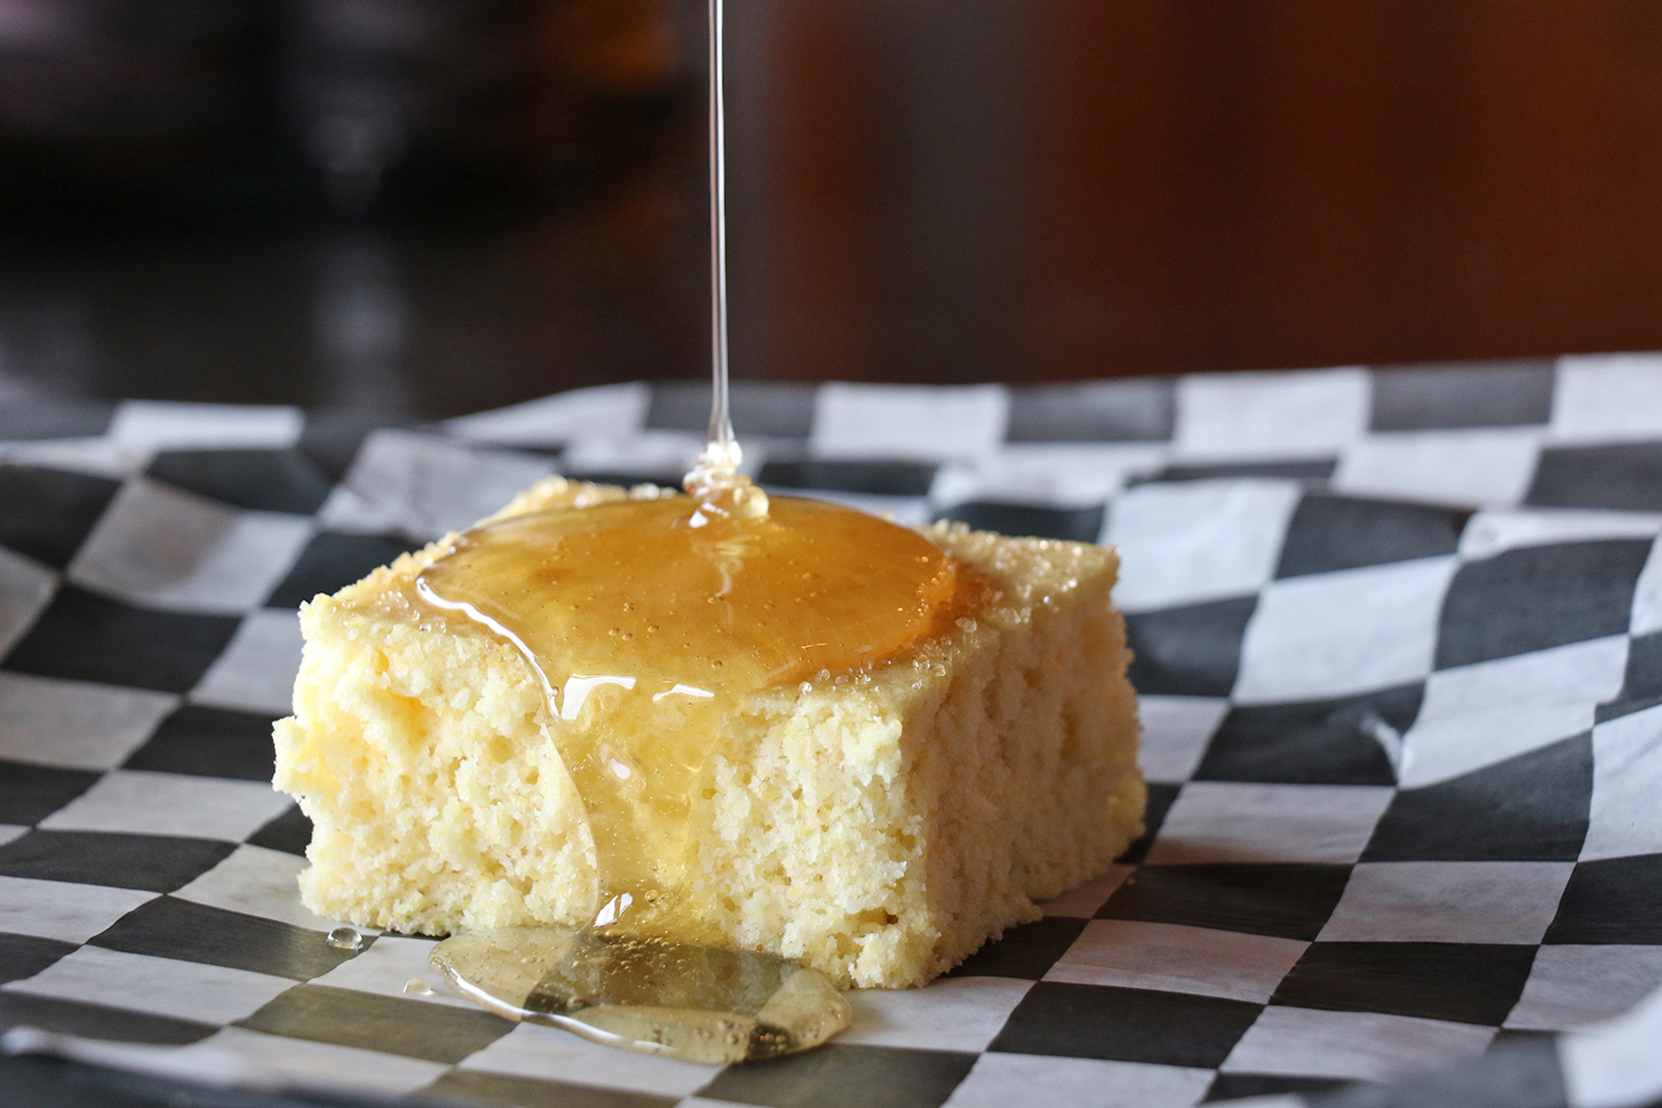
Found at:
[426, 207]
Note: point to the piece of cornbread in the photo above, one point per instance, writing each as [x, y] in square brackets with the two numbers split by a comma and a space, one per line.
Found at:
[877, 830]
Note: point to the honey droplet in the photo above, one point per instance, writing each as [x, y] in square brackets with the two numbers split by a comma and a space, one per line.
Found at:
[415, 986]
[695, 1003]
[346, 938]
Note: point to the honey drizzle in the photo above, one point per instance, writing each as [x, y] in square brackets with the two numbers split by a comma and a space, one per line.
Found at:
[652, 631]
[721, 421]
[759, 594]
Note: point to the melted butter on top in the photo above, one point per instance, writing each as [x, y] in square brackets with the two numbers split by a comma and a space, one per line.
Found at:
[651, 622]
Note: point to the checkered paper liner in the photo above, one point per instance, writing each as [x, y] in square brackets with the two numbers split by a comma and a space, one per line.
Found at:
[1399, 645]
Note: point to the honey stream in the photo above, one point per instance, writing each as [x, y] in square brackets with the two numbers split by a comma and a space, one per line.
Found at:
[652, 624]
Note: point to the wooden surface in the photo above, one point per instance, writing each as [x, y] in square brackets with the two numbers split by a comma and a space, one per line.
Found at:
[1187, 185]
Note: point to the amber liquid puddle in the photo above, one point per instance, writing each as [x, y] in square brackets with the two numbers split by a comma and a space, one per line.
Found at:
[652, 623]
[695, 1003]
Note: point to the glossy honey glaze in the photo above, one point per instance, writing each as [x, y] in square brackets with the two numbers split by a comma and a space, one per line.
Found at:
[652, 622]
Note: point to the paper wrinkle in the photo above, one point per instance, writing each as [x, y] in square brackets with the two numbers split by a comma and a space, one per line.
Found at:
[1175, 958]
[661, 455]
[1478, 715]
[1274, 415]
[26, 587]
[156, 425]
[63, 910]
[96, 457]
[1176, 731]
[256, 670]
[219, 1068]
[423, 486]
[153, 985]
[257, 881]
[162, 547]
[1486, 467]
[604, 410]
[1053, 474]
[1229, 821]
[145, 802]
[1647, 595]
[1187, 543]
[549, 1054]
[1602, 398]
[1448, 902]
[1491, 532]
[1627, 780]
[1362, 1046]
[75, 724]
[1614, 1065]
[908, 421]
[1033, 1081]
[1572, 987]
[1349, 631]
[308, 1064]
[964, 1014]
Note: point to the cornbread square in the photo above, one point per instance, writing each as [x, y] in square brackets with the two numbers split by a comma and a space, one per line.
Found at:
[877, 830]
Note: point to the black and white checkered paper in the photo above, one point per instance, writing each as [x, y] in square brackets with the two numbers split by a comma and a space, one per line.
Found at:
[1399, 645]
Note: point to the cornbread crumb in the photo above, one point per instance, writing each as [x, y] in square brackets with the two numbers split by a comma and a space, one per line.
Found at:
[878, 828]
